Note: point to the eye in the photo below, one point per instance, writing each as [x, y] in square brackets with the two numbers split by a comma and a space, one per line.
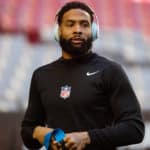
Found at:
[85, 24]
[69, 24]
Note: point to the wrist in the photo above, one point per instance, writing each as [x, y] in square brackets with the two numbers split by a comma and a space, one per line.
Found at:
[35, 132]
[39, 132]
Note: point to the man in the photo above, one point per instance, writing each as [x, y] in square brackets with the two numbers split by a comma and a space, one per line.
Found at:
[88, 96]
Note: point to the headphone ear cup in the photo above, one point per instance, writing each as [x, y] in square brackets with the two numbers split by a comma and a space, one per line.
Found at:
[94, 31]
[56, 33]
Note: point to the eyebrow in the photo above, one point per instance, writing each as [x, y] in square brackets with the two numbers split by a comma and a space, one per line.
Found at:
[72, 20]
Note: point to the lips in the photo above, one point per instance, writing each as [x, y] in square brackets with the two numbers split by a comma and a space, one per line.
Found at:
[77, 40]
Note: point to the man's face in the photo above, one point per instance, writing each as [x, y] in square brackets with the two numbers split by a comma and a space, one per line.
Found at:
[75, 32]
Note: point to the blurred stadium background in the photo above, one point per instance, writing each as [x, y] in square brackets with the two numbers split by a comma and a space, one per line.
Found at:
[27, 42]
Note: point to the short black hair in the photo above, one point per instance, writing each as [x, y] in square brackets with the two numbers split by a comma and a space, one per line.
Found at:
[73, 5]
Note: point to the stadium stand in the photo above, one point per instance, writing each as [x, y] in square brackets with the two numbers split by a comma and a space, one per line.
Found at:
[26, 42]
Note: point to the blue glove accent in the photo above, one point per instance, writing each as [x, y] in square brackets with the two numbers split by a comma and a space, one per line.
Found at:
[58, 134]
[47, 139]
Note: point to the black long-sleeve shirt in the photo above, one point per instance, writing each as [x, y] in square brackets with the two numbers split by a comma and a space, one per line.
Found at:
[90, 94]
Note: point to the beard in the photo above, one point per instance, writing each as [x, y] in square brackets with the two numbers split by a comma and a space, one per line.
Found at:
[75, 51]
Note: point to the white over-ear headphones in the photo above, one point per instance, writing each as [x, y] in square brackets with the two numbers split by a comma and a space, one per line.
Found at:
[94, 28]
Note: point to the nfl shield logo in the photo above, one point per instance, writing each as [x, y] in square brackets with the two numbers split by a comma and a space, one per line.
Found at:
[65, 92]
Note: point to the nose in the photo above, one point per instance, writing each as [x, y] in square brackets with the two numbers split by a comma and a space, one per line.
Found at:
[77, 29]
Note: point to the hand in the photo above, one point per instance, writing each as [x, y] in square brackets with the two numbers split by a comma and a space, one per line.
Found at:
[76, 140]
[55, 145]
[39, 133]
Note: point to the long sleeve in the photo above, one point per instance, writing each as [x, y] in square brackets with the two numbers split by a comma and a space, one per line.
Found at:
[34, 116]
[127, 127]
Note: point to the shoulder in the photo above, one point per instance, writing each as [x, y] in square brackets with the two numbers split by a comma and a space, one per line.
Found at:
[107, 63]
[110, 69]
[46, 67]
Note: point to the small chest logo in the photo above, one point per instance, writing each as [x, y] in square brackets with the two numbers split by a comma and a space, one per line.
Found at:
[65, 92]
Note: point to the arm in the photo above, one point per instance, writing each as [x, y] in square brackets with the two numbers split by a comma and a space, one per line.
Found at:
[127, 127]
[32, 128]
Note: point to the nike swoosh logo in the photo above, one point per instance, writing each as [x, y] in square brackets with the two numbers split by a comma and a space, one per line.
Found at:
[91, 73]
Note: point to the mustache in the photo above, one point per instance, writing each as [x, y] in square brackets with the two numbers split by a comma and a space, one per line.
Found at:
[77, 38]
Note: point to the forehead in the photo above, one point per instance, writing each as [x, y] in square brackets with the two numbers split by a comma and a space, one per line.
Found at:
[76, 14]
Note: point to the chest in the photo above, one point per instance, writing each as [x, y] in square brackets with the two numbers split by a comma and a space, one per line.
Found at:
[80, 88]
